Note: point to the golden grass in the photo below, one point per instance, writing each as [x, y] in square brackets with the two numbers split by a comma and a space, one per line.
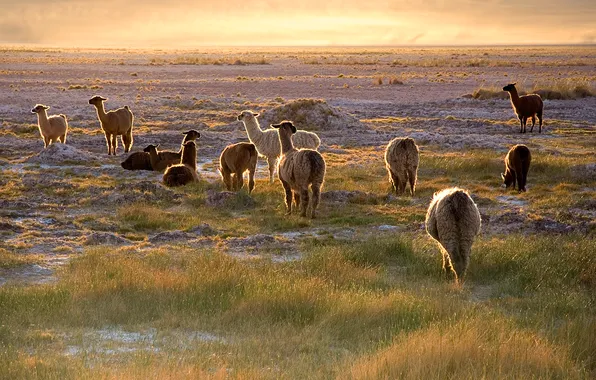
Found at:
[487, 348]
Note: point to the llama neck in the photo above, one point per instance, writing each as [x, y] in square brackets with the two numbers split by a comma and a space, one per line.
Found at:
[255, 133]
[285, 140]
[101, 112]
[42, 116]
[189, 158]
[153, 157]
[514, 96]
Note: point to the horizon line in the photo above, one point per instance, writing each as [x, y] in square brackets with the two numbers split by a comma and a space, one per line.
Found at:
[189, 47]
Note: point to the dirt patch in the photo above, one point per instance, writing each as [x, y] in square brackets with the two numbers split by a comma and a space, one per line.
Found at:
[57, 154]
[312, 114]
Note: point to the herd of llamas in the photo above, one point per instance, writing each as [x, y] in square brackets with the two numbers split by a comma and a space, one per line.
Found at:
[452, 219]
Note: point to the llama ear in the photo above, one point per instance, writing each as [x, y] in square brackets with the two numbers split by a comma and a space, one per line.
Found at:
[276, 126]
[514, 83]
[46, 107]
[503, 176]
[256, 114]
[293, 128]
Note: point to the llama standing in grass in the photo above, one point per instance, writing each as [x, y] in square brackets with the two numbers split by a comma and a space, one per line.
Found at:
[234, 161]
[401, 161]
[453, 220]
[267, 141]
[517, 164]
[525, 106]
[52, 128]
[114, 123]
[298, 169]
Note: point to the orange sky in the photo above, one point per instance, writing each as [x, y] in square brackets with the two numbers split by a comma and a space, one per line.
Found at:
[185, 23]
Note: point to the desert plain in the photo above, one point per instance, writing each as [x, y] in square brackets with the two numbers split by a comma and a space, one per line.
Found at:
[106, 273]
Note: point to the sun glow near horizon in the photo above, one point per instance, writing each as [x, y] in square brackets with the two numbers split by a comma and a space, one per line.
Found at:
[182, 23]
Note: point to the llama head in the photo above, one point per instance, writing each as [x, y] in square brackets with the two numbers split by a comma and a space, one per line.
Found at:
[39, 107]
[97, 100]
[246, 114]
[509, 87]
[150, 147]
[191, 135]
[285, 125]
[507, 178]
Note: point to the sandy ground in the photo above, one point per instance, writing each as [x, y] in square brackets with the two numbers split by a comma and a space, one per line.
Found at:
[168, 99]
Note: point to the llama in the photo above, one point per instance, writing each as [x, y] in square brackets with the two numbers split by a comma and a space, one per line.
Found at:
[114, 123]
[137, 161]
[185, 172]
[525, 106]
[234, 161]
[453, 220]
[401, 161]
[52, 128]
[267, 141]
[169, 158]
[299, 168]
[517, 164]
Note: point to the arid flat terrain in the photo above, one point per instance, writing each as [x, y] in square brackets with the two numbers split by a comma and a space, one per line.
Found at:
[65, 209]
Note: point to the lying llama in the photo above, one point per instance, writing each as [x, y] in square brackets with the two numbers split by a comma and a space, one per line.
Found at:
[137, 161]
[234, 161]
[186, 171]
[525, 106]
[299, 168]
[142, 160]
[52, 128]
[401, 161]
[114, 123]
[157, 163]
[267, 141]
[453, 221]
[517, 164]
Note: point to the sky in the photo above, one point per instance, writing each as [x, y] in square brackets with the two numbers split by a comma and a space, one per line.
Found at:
[188, 23]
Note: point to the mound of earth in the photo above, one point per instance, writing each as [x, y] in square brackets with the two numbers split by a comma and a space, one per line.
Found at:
[105, 238]
[61, 153]
[312, 115]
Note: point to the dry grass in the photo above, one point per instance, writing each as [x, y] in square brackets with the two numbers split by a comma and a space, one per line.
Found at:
[491, 348]
[557, 89]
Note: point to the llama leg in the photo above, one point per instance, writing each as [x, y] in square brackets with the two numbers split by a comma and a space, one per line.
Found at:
[446, 263]
[513, 176]
[297, 200]
[393, 180]
[251, 180]
[520, 182]
[288, 191]
[127, 140]
[63, 139]
[533, 123]
[271, 162]
[239, 181]
[108, 139]
[226, 176]
[46, 142]
[303, 201]
[316, 198]
[402, 182]
[412, 178]
[114, 144]
[540, 121]
[461, 259]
